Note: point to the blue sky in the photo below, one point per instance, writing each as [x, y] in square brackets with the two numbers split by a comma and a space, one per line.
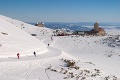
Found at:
[62, 10]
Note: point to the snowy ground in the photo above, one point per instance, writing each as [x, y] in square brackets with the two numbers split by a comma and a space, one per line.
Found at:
[66, 58]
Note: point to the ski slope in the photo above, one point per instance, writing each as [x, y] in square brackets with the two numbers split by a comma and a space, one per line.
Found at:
[13, 41]
[94, 58]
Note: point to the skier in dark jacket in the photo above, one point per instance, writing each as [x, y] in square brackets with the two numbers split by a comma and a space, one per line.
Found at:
[51, 38]
[48, 44]
[34, 53]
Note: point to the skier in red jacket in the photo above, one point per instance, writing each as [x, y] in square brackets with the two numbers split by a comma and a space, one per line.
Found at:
[18, 55]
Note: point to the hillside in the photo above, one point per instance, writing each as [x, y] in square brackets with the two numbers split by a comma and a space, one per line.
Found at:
[40, 33]
[13, 41]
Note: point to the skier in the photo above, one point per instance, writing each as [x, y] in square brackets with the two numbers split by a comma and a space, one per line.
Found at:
[51, 38]
[34, 53]
[48, 44]
[18, 55]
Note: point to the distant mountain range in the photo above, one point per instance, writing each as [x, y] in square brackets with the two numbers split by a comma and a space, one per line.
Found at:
[86, 26]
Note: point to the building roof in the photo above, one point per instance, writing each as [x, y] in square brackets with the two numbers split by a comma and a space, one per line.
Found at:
[101, 29]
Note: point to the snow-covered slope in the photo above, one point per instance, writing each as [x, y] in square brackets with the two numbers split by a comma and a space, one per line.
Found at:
[13, 41]
[66, 57]
[40, 32]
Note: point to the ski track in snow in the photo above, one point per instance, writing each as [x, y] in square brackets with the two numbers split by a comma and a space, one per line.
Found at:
[42, 62]
[29, 63]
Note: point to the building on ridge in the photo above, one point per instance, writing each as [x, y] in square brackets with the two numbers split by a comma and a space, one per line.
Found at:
[39, 24]
[100, 31]
[95, 31]
[96, 26]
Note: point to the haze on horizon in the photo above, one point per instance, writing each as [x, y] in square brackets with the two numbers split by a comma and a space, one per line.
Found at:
[61, 10]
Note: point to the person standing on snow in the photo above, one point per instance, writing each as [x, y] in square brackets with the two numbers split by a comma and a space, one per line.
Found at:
[48, 44]
[18, 55]
[51, 38]
[34, 53]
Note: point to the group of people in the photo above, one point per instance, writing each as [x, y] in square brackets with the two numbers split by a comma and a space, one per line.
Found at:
[18, 55]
